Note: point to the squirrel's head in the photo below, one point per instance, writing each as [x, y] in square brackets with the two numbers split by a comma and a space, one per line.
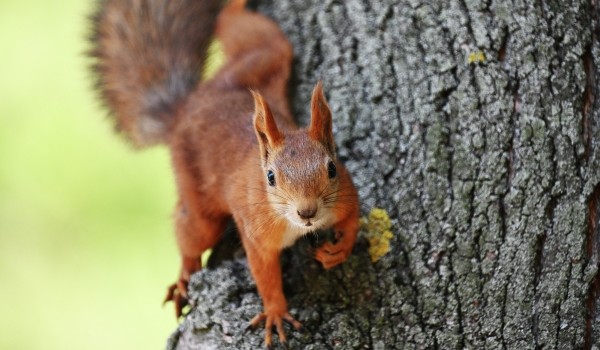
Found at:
[300, 169]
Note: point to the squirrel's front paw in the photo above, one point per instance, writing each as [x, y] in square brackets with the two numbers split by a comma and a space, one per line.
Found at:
[274, 319]
[330, 254]
[177, 293]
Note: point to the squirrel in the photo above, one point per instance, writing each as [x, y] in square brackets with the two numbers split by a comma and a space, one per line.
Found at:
[235, 148]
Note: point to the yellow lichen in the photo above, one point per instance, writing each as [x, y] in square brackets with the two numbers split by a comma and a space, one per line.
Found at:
[215, 57]
[378, 232]
[476, 57]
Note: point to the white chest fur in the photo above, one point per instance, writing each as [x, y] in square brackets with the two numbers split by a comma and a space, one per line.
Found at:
[292, 233]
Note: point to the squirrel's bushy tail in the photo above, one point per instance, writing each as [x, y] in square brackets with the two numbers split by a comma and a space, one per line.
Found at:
[148, 56]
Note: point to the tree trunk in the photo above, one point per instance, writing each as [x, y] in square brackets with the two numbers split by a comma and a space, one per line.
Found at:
[474, 125]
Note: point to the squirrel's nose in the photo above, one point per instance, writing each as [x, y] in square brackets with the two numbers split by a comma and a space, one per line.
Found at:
[307, 213]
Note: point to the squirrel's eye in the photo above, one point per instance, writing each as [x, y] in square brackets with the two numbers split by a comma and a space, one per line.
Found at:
[271, 178]
[331, 170]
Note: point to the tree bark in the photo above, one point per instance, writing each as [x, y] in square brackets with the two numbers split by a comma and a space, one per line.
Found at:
[474, 125]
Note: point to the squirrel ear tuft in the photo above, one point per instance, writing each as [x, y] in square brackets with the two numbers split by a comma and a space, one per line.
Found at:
[269, 136]
[321, 125]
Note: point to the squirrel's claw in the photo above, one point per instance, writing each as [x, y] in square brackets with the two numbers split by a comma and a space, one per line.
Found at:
[289, 319]
[330, 255]
[177, 293]
[270, 321]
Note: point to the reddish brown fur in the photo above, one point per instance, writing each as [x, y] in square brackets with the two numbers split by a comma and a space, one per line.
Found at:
[146, 67]
[265, 127]
[321, 128]
[221, 156]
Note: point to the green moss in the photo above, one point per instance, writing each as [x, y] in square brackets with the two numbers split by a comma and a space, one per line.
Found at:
[378, 227]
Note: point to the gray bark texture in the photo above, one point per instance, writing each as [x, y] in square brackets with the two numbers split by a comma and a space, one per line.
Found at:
[475, 126]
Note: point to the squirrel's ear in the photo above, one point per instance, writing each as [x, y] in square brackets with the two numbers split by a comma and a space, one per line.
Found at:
[269, 136]
[321, 128]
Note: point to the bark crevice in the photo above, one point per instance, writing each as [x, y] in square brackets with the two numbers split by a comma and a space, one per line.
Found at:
[593, 253]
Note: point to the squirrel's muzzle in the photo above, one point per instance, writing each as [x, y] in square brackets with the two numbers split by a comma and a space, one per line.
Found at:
[307, 213]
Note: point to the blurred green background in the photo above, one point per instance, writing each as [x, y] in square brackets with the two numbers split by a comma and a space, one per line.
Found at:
[86, 244]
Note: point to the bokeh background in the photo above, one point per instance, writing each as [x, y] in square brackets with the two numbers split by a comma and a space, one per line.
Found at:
[86, 245]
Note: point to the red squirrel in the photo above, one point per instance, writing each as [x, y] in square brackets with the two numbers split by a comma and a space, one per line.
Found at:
[236, 150]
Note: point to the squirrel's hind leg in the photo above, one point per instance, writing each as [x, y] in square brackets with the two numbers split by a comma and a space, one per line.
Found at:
[195, 234]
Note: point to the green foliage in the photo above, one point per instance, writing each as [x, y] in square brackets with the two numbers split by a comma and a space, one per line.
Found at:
[86, 245]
